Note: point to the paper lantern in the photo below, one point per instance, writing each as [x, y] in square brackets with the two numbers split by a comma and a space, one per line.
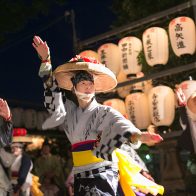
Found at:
[161, 105]
[143, 86]
[89, 53]
[117, 104]
[147, 86]
[189, 89]
[138, 110]
[130, 47]
[109, 55]
[17, 116]
[155, 43]
[182, 35]
[30, 119]
[41, 117]
[125, 90]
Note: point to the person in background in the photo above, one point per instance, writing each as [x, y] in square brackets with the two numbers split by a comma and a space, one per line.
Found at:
[49, 168]
[95, 169]
[70, 184]
[185, 141]
[49, 188]
[21, 176]
[6, 130]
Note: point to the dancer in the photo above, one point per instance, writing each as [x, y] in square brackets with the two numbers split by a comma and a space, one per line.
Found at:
[21, 177]
[6, 129]
[95, 169]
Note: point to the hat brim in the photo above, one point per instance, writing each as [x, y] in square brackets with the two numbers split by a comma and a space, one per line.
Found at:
[22, 139]
[104, 78]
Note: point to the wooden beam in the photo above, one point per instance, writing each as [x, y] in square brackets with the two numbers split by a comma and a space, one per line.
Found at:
[135, 24]
[160, 74]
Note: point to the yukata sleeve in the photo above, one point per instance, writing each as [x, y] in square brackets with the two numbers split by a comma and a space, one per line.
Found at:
[23, 172]
[6, 130]
[116, 130]
[51, 89]
[134, 155]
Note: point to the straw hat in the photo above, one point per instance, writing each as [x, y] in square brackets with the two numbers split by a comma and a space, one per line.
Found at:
[20, 136]
[104, 78]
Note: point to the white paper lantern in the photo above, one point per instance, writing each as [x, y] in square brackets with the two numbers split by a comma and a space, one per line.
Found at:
[30, 118]
[17, 117]
[117, 104]
[89, 53]
[155, 43]
[138, 110]
[130, 47]
[41, 117]
[161, 105]
[182, 35]
[125, 90]
[109, 55]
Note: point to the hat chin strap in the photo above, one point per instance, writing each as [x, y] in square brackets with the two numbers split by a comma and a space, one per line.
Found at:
[83, 96]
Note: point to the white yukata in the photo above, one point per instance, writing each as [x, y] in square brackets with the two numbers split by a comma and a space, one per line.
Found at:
[84, 125]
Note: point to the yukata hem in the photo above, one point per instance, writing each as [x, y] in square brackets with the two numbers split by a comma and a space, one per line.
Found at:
[92, 166]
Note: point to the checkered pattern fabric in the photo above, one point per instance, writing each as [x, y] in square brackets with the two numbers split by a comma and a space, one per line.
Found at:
[106, 176]
[49, 94]
[134, 155]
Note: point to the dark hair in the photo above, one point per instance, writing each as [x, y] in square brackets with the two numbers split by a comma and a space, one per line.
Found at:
[81, 76]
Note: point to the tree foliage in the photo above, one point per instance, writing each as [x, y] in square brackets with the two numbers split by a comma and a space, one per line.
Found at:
[14, 15]
[130, 10]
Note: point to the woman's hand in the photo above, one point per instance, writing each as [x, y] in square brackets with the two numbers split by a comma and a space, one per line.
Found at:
[41, 48]
[146, 137]
[180, 96]
[4, 109]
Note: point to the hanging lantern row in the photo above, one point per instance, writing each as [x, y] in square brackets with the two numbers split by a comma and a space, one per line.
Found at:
[155, 41]
[157, 107]
[28, 118]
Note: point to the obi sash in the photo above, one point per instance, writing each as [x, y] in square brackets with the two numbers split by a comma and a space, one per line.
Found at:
[82, 153]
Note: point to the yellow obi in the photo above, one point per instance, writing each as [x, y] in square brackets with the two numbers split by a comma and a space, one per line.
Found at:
[84, 158]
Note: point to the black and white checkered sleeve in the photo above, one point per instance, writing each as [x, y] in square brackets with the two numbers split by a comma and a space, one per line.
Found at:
[116, 131]
[49, 95]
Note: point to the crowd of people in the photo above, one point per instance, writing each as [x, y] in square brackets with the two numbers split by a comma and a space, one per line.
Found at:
[103, 142]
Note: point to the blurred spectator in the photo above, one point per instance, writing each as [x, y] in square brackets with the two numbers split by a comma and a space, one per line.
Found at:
[21, 177]
[49, 168]
[69, 184]
[49, 188]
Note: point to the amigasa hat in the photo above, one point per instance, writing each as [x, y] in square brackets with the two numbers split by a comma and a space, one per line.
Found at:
[104, 78]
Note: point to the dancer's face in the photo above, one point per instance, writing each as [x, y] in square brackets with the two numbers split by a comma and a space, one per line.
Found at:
[85, 86]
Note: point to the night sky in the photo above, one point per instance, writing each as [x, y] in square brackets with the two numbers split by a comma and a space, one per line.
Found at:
[19, 62]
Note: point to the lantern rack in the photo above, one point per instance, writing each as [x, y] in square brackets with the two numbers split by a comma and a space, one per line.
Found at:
[137, 24]
[160, 74]
[130, 28]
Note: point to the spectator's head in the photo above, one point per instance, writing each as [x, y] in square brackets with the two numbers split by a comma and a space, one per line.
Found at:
[17, 148]
[46, 148]
[20, 138]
